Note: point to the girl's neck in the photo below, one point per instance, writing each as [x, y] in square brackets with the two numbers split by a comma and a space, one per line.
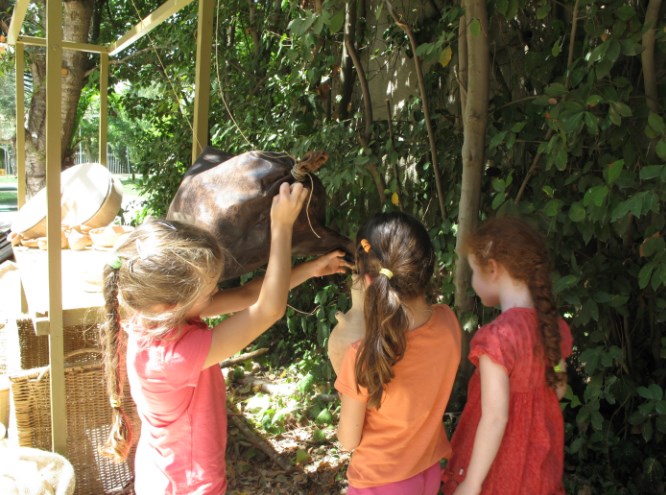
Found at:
[514, 294]
[419, 312]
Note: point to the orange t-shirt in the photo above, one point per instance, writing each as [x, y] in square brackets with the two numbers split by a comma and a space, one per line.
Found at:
[406, 434]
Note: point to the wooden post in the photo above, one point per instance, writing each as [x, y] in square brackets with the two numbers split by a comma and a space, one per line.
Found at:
[53, 222]
[202, 77]
[103, 106]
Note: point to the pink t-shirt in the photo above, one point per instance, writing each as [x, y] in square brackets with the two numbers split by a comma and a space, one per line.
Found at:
[183, 413]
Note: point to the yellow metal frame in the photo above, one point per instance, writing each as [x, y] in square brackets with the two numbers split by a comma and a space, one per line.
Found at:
[53, 322]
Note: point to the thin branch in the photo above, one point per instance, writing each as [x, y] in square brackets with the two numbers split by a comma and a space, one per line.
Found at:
[243, 357]
[535, 161]
[367, 117]
[647, 56]
[426, 110]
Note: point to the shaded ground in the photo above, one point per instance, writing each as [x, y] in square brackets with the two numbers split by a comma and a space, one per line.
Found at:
[303, 458]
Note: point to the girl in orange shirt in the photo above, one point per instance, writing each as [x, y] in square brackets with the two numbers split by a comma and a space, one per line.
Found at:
[395, 382]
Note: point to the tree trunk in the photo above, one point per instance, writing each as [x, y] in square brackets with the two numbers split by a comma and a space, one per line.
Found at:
[76, 25]
[475, 117]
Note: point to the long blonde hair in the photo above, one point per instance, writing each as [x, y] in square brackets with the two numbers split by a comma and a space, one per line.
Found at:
[160, 264]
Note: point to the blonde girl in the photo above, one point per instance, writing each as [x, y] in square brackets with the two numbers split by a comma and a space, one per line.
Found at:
[162, 282]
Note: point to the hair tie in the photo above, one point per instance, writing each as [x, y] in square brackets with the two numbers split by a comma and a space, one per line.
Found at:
[115, 403]
[558, 368]
[366, 245]
[387, 272]
[115, 263]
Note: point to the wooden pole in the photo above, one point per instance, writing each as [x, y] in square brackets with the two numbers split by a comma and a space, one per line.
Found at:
[202, 77]
[53, 221]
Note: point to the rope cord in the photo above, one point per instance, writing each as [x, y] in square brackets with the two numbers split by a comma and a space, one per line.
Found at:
[219, 80]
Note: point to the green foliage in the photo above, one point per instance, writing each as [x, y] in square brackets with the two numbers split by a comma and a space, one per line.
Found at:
[599, 194]
[571, 143]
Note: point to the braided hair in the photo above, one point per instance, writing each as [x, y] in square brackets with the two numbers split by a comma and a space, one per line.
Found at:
[158, 265]
[521, 249]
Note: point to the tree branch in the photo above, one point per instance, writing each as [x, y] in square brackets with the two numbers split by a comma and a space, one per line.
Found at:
[647, 55]
[426, 109]
[367, 117]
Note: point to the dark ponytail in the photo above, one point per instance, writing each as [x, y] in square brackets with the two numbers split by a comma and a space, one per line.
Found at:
[394, 249]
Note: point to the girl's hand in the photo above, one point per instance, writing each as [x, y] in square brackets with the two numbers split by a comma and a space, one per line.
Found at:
[287, 204]
[329, 264]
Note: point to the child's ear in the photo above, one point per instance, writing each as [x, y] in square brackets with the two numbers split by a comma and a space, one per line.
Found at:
[493, 267]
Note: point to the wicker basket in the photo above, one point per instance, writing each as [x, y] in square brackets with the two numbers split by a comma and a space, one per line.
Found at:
[26, 350]
[88, 421]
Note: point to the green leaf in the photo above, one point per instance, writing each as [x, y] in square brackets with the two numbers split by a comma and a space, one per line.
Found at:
[644, 275]
[656, 122]
[646, 431]
[475, 27]
[613, 51]
[564, 283]
[552, 208]
[591, 123]
[650, 172]
[337, 21]
[497, 139]
[300, 26]
[661, 149]
[543, 10]
[596, 196]
[624, 12]
[561, 158]
[633, 205]
[577, 212]
[613, 171]
[555, 89]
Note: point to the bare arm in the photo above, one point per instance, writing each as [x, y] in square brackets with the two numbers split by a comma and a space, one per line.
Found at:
[350, 426]
[236, 332]
[239, 298]
[489, 433]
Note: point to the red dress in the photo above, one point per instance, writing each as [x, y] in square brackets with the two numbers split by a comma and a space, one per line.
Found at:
[530, 458]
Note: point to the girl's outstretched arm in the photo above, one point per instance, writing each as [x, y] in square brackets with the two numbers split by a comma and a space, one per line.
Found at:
[352, 418]
[489, 433]
[236, 332]
[239, 298]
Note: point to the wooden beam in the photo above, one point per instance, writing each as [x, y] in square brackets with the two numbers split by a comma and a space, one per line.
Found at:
[53, 222]
[147, 24]
[18, 16]
[202, 77]
[103, 106]
[66, 45]
[20, 123]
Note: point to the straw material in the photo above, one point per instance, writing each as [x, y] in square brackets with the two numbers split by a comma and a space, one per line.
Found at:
[30, 351]
[88, 420]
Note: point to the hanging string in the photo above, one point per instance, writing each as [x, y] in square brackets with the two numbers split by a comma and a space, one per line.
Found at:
[219, 80]
[164, 71]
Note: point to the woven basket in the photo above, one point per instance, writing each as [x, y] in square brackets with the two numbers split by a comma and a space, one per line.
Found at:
[27, 350]
[88, 421]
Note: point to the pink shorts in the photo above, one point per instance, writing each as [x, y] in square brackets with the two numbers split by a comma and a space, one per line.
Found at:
[425, 483]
